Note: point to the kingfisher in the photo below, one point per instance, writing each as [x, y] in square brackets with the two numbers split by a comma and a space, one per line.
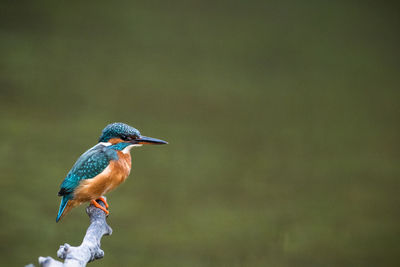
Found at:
[102, 168]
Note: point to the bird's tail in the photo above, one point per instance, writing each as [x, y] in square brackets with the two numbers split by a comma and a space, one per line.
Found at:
[63, 208]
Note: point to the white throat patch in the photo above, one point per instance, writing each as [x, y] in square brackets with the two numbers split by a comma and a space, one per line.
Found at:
[127, 149]
[105, 143]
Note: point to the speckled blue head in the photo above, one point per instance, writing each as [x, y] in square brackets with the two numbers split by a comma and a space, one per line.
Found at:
[127, 134]
[119, 130]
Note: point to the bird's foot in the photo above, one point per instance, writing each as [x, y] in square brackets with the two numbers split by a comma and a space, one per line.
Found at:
[97, 205]
[102, 199]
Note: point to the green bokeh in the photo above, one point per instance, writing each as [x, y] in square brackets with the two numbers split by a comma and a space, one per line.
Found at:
[282, 118]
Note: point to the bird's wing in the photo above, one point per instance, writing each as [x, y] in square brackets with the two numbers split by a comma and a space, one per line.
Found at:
[90, 164]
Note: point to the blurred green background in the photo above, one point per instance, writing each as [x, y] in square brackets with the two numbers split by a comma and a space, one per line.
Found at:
[282, 118]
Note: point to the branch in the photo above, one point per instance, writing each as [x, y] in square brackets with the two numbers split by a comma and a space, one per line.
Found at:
[89, 250]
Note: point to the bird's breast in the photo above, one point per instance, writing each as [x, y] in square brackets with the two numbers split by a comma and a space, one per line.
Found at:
[112, 176]
[120, 168]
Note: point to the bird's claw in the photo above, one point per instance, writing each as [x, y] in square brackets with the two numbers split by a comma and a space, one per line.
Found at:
[97, 205]
[102, 199]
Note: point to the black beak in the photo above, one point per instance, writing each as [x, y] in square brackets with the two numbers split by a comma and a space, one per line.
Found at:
[144, 140]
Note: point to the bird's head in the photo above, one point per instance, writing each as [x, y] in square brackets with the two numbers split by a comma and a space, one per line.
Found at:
[118, 132]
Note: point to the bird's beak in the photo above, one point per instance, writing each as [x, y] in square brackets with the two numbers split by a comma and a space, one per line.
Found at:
[144, 140]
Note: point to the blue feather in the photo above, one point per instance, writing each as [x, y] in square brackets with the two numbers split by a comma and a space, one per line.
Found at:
[63, 204]
[90, 164]
[118, 130]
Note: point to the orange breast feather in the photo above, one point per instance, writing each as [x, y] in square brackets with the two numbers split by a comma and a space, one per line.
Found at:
[112, 176]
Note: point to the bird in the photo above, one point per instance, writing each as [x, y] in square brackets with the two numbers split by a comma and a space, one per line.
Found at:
[101, 168]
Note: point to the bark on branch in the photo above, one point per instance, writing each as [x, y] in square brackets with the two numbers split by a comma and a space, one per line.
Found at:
[90, 249]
